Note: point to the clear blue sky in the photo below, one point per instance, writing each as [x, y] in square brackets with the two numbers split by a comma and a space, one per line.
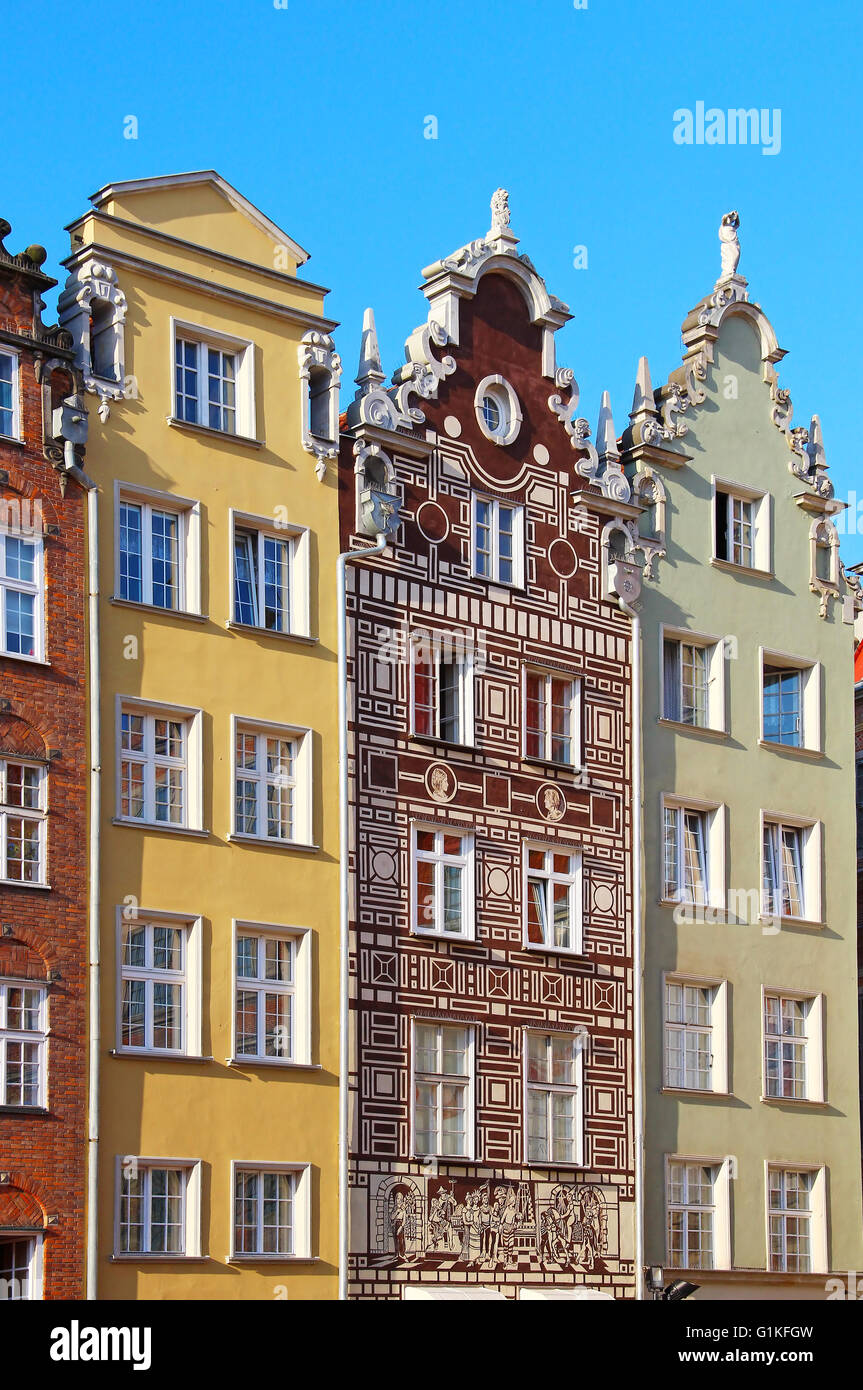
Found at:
[316, 112]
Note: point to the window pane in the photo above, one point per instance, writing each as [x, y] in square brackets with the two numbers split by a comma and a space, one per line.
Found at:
[131, 553]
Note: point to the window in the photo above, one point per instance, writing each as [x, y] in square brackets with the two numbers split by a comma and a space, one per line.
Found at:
[263, 585]
[783, 872]
[271, 1211]
[790, 1217]
[741, 526]
[272, 783]
[443, 1090]
[103, 339]
[150, 548]
[790, 701]
[9, 424]
[553, 899]
[552, 718]
[159, 765]
[692, 1037]
[691, 1215]
[22, 822]
[793, 1050]
[497, 410]
[153, 972]
[553, 1082]
[685, 855]
[443, 891]
[213, 381]
[23, 1041]
[442, 690]
[693, 681]
[498, 541]
[271, 1014]
[157, 1207]
[21, 595]
[20, 1269]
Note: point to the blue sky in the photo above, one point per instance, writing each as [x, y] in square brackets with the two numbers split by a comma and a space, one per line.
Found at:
[316, 113]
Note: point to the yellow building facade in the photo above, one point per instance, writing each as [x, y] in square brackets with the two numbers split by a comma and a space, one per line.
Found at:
[213, 395]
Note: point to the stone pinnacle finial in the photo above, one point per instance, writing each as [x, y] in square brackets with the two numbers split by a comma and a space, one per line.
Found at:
[499, 210]
[642, 399]
[730, 245]
[370, 372]
[606, 435]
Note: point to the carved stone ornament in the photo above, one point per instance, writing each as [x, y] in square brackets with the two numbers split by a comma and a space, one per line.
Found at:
[316, 353]
[96, 282]
[551, 802]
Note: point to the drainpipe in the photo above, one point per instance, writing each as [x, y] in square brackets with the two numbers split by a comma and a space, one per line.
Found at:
[637, 949]
[95, 842]
[344, 908]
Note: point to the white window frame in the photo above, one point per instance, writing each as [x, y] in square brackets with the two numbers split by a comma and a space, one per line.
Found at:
[575, 682]
[508, 405]
[518, 541]
[244, 351]
[435, 654]
[299, 591]
[466, 860]
[468, 1081]
[762, 547]
[818, 1261]
[811, 854]
[34, 1240]
[715, 664]
[192, 719]
[192, 978]
[37, 817]
[576, 1089]
[301, 1210]
[721, 1207]
[303, 783]
[37, 1037]
[714, 818]
[191, 1170]
[34, 589]
[575, 881]
[810, 699]
[188, 514]
[814, 1059]
[717, 1028]
[12, 352]
[300, 990]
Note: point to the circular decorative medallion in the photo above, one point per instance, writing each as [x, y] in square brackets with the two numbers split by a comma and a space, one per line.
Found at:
[562, 558]
[498, 882]
[540, 453]
[551, 802]
[603, 898]
[432, 521]
[452, 426]
[441, 783]
[383, 865]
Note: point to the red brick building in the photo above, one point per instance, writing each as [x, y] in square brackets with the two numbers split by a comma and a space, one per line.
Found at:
[491, 819]
[43, 797]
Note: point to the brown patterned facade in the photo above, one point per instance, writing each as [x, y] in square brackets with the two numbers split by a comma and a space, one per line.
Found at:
[43, 801]
[495, 1218]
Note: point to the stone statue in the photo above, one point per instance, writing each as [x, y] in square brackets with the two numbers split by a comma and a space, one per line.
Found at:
[499, 210]
[730, 245]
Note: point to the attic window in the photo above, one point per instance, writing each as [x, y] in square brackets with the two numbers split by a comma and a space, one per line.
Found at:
[103, 340]
[497, 409]
[320, 381]
[741, 526]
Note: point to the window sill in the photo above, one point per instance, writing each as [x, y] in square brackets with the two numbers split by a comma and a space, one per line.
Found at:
[429, 739]
[272, 1259]
[729, 567]
[237, 837]
[576, 952]
[791, 921]
[155, 609]
[139, 1257]
[797, 752]
[214, 434]
[17, 883]
[691, 1091]
[160, 827]
[445, 936]
[144, 1054]
[702, 730]
[268, 632]
[803, 1101]
[572, 1164]
[574, 769]
[13, 439]
[24, 1110]
[694, 907]
[20, 656]
[272, 1062]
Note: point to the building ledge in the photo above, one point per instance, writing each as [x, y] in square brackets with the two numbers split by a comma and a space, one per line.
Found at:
[729, 567]
[157, 611]
[774, 747]
[701, 730]
[139, 1257]
[236, 837]
[143, 1055]
[209, 433]
[161, 828]
[799, 1102]
[268, 632]
[286, 1065]
[690, 1093]
[272, 1259]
